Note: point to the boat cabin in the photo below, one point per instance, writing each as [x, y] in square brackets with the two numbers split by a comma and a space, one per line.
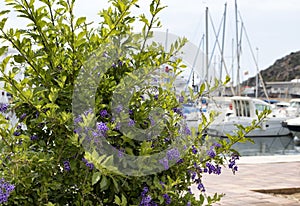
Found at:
[247, 106]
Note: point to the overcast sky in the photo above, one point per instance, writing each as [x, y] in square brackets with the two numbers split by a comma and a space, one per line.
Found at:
[273, 26]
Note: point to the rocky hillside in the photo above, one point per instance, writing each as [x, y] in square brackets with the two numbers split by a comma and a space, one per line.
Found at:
[284, 69]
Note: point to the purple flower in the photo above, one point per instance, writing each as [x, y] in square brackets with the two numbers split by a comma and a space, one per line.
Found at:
[121, 153]
[119, 109]
[193, 175]
[22, 117]
[87, 112]
[232, 164]
[95, 134]
[187, 130]
[215, 169]
[216, 144]
[131, 122]
[118, 126]
[188, 204]
[156, 97]
[181, 99]
[105, 54]
[162, 184]
[201, 187]
[102, 128]
[17, 133]
[3, 107]
[67, 165]
[90, 165]
[103, 113]
[211, 153]
[145, 191]
[167, 199]
[120, 63]
[5, 190]
[173, 154]
[33, 137]
[146, 200]
[194, 150]
[152, 121]
[78, 119]
[130, 112]
[177, 110]
[164, 162]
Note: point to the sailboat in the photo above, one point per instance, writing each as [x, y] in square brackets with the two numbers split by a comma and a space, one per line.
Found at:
[243, 112]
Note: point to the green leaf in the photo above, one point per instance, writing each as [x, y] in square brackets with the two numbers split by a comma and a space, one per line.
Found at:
[80, 21]
[117, 200]
[3, 50]
[96, 177]
[202, 88]
[104, 184]
[19, 58]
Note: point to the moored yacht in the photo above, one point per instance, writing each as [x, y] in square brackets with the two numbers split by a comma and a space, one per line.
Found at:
[243, 112]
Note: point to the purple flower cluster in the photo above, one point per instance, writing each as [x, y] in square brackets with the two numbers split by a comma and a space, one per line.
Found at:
[167, 199]
[173, 154]
[200, 186]
[78, 119]
[119, 109]
[3, 107]
[232, 164]
[215, 169]
[187, 130]
[165, 163]
[211, 152]
[146, 199]
[87, 112]
[67, 165]
[5, 190]
[131, 122]
[103, 113]
[102, 128]
[88, 164]
[194, 149]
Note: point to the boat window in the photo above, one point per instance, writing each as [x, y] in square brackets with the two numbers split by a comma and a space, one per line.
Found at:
[261, 107]
[237, 107]
[242, 108]
[247, 109]
[295, 104]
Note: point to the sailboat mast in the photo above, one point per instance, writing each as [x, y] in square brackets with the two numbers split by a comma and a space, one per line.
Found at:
[223, 43]
[206, 44]
[238, 92]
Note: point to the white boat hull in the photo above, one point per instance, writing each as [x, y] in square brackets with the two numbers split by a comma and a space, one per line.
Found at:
[268, 128]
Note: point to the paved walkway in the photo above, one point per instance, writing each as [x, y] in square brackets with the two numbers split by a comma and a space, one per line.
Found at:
[256, 173]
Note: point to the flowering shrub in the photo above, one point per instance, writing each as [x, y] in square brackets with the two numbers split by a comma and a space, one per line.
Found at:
[96, 127]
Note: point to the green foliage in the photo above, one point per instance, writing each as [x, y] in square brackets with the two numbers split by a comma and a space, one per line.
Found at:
[47, 162]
